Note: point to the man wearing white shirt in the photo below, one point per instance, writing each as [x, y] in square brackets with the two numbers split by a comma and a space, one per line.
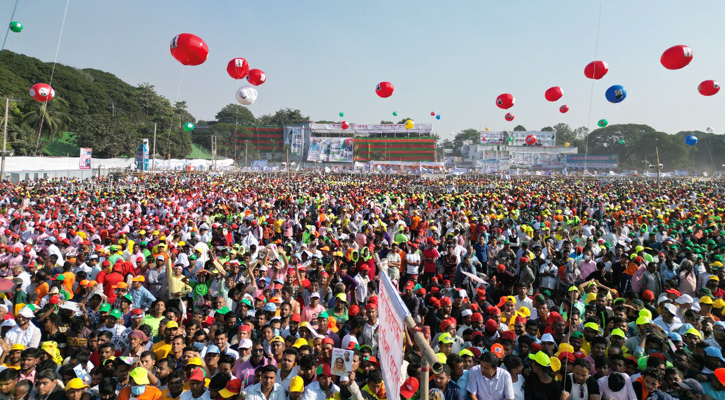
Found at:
[24, 332]
[267, 388]
[487, 381]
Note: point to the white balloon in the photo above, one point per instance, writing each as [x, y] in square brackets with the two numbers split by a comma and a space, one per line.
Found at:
[710, 130]
[247, 95]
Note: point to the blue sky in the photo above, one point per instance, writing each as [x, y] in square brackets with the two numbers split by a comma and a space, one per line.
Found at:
[453, 58]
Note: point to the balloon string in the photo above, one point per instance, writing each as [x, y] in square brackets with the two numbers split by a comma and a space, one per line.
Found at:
[591, 93]
[12, 18]
[173, 114]
[52, 74]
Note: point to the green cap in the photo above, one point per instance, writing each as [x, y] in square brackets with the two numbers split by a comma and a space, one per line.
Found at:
[116, 313]
[323, 315]
[105, 308]
[128, 297]
[223, 311]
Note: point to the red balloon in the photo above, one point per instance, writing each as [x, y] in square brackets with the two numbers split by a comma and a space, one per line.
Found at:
[563, 109]
[509, 117]
[238, 68]
[676, 57]
[596, 69]
[708, 88]
[432, 113]
[384, 89]
[42, 92]
[189, 49]
[256, 77]
[553, 93]
[344, 125]
[505, 101]
[531, 140]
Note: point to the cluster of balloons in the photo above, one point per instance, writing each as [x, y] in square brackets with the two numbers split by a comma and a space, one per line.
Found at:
[42, 92]
[433, 114]
[16, 26]
[189, 49]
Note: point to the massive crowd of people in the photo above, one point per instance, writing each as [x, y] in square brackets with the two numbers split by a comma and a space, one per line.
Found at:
[265, 287]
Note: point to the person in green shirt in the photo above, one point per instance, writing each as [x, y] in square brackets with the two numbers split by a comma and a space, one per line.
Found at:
[19, 296]
[339, 312]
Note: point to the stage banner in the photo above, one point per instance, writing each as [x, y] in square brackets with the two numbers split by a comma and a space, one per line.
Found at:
[294, 139]
[391, 329]
[609, 161]
[537, 160]
[365, 130]
[85, 159]
[488, 137]
[142, 155]
[326, 149]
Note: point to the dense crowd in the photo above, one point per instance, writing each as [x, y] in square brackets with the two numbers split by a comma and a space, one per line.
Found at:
[265, 287]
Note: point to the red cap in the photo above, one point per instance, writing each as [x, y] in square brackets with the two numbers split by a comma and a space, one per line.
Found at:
[295, 318]
[554, 317]
[328, 340]
[409, 388]
[648, 295]
[535, 348]
[373, 299]
[54, 300]
[197, 374]
[491, 325]
[363, 267]
[523, 259]
[674, 291]
[476, 317]
[324, 370]
[494, 311]
[371, 306]
[446, 324]
[353, 310]
[501, 267]
[446, 301]
[508, 335]
[247, 328]
[569, 356]
[409, 285]
[497, 349]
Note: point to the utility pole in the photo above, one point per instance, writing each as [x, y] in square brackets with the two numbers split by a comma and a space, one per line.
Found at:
[245, 153]
[659, 166]
[153, 163]
[5, 139]
[213, 152]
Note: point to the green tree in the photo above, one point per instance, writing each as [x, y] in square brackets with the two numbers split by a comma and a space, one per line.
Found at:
[49, 119]
[109, 136]
[386, 122]
[640, 142]
[152, 104]
[286, 116]
[519, 128]
[235, 114]
[466, 134]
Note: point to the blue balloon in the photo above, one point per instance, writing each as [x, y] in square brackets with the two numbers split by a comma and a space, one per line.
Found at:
[438, 116]
[691, 140]
[615, 94]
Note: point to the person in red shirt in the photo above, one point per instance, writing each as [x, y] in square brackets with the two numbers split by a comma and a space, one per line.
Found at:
[430, 257]
[111, 280]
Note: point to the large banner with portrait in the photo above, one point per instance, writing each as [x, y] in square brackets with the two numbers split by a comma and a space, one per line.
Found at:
[326, 149]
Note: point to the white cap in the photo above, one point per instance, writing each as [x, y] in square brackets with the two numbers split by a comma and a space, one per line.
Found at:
[245, 344]
[685, 298]
[466, 313]
[671, 308]
[315, 294]
[547, 338]
[8, 323]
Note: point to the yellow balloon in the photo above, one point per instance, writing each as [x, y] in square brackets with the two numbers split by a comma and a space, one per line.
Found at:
[409, 124]
[487, 128]
[566, 144]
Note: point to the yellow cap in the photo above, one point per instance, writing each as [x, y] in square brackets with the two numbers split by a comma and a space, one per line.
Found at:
[172, 324]
[139, 376]
[719, 303]
[555, 364]
[300, 342]
[541, 358]
[445, 338]
[590, 297]
[705, 300]
[714, 278]
[524, 312]
[76, 383]
[17, 346]
[296, 384]
[693, 331]
[617, 332]
[564, 347]
[643, 321]
[194, 361]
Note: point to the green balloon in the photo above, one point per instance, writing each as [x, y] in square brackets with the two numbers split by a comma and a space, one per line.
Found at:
[395, 113]
[16, 26]
[621, 141]
[342, 114]
[188, 127]
[602, 123]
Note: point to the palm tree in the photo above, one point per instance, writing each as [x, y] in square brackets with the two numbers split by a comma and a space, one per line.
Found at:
[48, 119]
